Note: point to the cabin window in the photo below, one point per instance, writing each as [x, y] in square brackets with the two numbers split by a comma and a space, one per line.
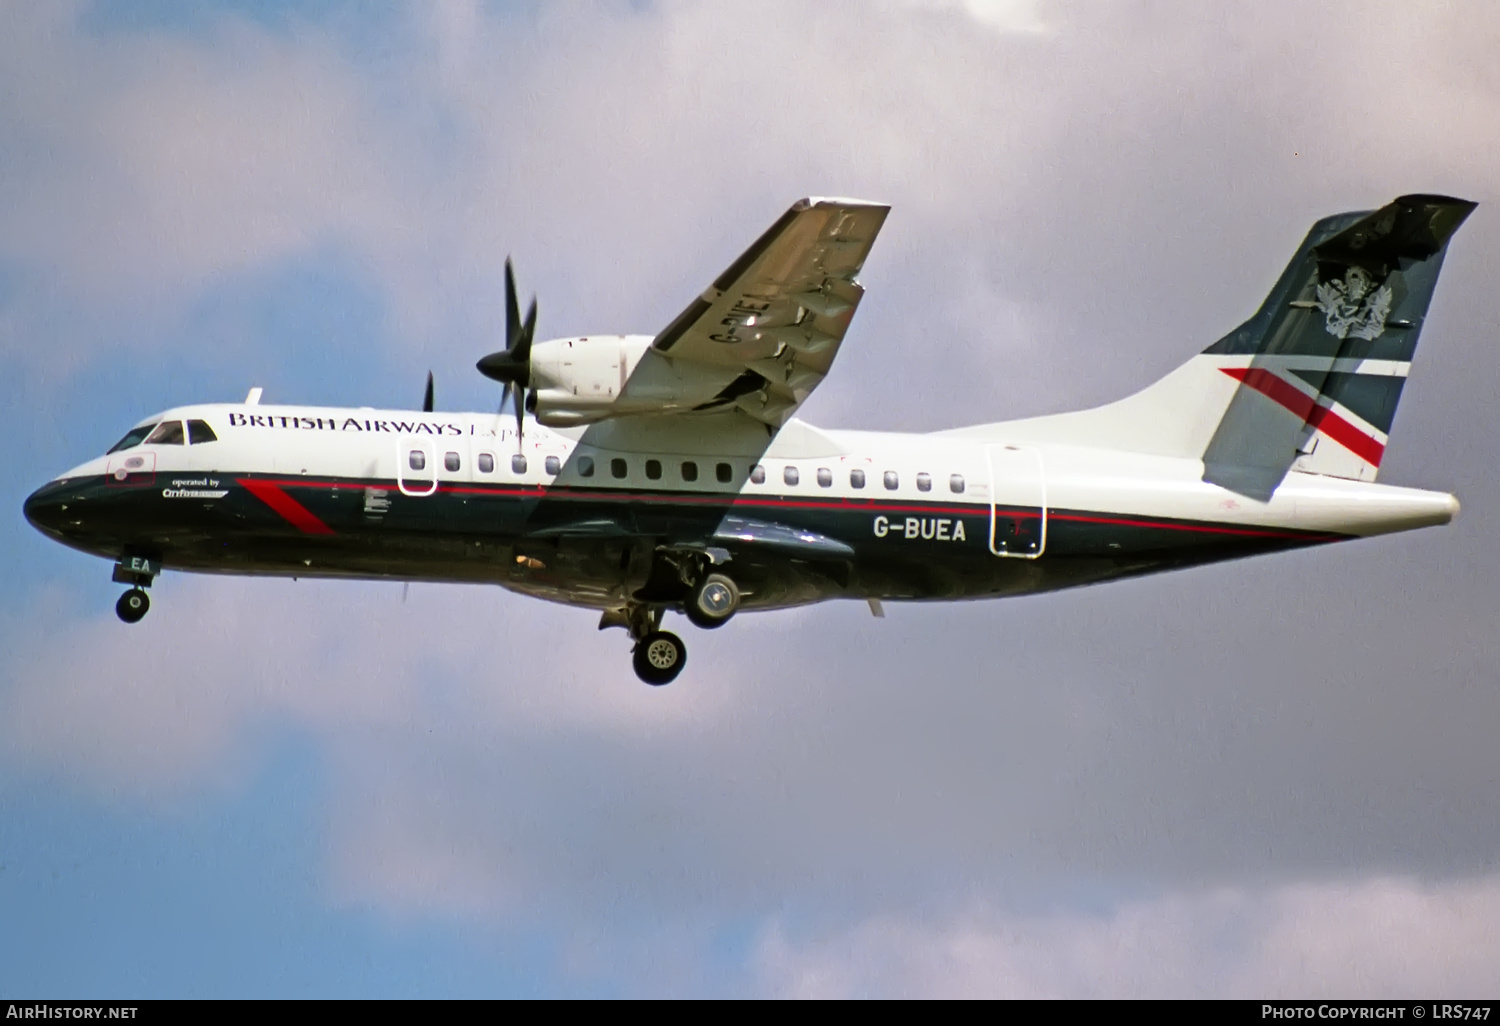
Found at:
[757, 474]
[518, 464]
[725, 473]
[892, 480]
[956, 484]
[825, 477]
[552, 465]
[451, 461]
[924, 482]
[132, 438]
[617, 467]
[856, 479]
[790, 475]
[486, 463]
[168, 432]
[689, 470]
[416, 459]
[199, 433]
[653, 469]
[585, 466]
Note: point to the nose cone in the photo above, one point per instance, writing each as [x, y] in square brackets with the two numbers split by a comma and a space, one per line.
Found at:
[45, 508]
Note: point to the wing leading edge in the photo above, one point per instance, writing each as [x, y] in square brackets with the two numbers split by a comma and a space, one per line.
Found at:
[761, 337]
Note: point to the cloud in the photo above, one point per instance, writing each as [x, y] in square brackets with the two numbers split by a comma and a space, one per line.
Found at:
[147, 166]
[1076, 210]
[172, 703]
[1377, 938]
[487, 754]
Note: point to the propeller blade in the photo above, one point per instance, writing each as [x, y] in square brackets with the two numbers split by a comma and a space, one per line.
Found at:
[522, 351]
[512, 308]
[427, 399]
[512, 365]
[520, 394]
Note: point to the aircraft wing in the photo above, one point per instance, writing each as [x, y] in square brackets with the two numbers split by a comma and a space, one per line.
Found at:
[761, 337]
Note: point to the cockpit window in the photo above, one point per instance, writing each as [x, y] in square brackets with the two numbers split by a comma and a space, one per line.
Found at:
[168, 432]
[199, 432]
[133, 438]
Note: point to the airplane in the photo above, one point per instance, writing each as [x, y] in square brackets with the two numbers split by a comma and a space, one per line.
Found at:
[647, 474]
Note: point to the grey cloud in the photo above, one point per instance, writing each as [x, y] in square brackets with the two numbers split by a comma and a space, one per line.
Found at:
[1383, 938]
[1076, 211]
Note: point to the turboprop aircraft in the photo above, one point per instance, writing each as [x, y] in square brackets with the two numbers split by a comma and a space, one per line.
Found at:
[647, 474]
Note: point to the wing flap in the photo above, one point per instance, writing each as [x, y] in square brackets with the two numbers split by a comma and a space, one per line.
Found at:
[770, 326]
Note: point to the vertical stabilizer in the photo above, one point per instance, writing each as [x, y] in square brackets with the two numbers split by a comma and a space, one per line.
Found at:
[1321, 365]
[1310, 382]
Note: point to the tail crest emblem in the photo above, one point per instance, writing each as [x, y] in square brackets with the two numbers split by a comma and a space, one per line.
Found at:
[1351, 307]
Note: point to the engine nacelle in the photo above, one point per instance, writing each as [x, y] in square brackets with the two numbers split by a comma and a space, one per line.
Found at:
[578, 380]
[582, 380]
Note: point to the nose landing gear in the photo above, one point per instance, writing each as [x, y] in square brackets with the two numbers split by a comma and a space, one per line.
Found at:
[138, 572]
[133, 605]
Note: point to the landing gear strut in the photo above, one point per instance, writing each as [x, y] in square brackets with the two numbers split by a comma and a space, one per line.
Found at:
[659, 655]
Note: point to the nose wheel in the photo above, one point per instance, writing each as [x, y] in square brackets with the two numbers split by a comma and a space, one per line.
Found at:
[137, 571]
[133, 605]
[659, 657]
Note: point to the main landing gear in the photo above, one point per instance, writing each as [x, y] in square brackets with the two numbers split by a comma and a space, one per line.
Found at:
[659, 656]
[137, 571]
[712, 602]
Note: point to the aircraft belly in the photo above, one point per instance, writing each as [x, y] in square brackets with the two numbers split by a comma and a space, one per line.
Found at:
[598, 548]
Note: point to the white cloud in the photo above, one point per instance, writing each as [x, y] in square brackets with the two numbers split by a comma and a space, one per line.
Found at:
[1375, 938]
[1001, 15]
[173, 704]
[1076, 209]
[624, 156]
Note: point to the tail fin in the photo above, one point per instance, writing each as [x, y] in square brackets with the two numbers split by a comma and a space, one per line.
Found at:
[1321, 365]
[1311, 381]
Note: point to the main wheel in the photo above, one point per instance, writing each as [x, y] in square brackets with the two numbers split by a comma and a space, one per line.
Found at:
[713, 602]
[659, 658]
[133, 605]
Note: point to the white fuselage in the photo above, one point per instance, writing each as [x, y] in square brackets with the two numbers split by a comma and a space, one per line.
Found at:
[480, 448]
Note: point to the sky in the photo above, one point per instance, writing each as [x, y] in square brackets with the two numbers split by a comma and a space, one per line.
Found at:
[1269, 778]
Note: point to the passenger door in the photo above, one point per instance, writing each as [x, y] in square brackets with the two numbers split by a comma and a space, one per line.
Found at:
[416, 465]
[1018, 502]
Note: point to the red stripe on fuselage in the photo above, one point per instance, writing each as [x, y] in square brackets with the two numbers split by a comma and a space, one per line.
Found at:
[571, 494]
[296, 514]
[1169, 525]
[1319, 417]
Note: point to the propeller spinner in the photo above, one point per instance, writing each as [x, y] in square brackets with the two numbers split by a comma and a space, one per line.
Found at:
[512, 365]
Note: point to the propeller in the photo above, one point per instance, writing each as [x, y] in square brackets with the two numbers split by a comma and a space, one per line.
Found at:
[512, 365]
[427, 396]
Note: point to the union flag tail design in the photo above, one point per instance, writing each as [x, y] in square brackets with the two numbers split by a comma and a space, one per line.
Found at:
[1321, 365]
[1310, 382]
